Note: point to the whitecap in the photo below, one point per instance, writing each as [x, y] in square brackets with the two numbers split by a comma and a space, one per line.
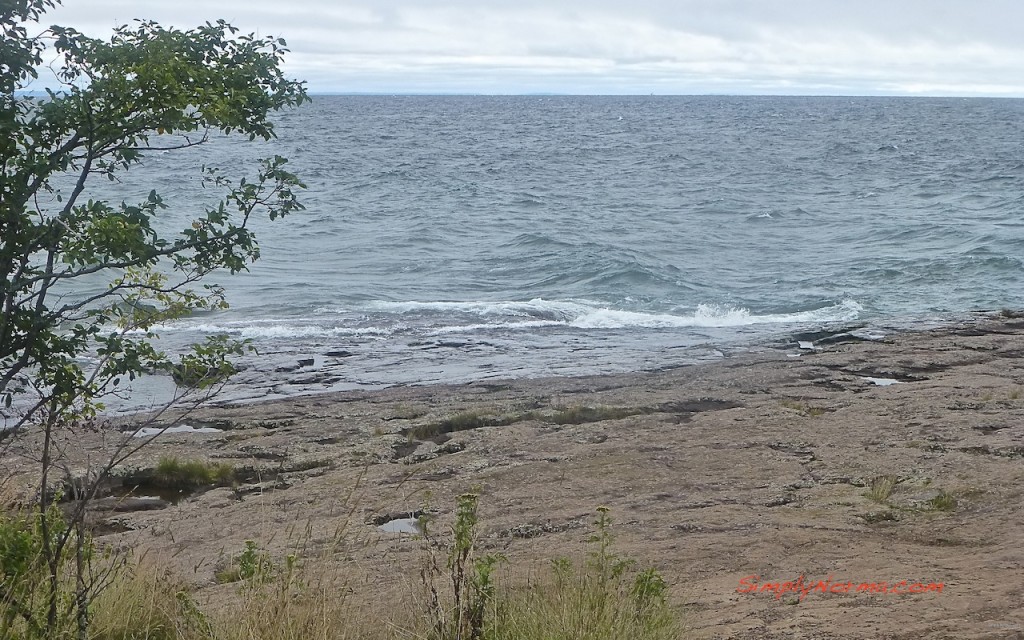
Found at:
[711, 316]
[537, 307]
[493, 326]
[269, 329]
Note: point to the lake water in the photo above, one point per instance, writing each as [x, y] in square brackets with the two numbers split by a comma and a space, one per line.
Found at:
[450, 239]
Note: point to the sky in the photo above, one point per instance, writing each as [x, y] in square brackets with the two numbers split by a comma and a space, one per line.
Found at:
[776, 47]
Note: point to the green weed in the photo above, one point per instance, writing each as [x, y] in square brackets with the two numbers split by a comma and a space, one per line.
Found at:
[253, 564]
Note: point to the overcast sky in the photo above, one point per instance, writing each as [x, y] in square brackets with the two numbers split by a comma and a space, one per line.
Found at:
[858, 47]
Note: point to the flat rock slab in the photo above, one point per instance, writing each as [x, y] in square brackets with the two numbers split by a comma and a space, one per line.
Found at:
[760, 465]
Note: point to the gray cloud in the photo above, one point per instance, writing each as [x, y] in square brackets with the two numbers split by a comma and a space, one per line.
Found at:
[603, 46]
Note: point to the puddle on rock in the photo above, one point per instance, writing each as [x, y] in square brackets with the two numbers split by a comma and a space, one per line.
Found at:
[881, 382]
[129, 503]
[150, 491]
[400, 522]
[147, 432]
[401, 525]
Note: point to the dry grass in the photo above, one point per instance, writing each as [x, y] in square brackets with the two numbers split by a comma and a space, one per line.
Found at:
[144, 600]
[581, 601]
[315, 597]
[293, 608]
[403, 411]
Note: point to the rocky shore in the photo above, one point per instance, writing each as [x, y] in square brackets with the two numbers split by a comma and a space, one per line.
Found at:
[899, 458]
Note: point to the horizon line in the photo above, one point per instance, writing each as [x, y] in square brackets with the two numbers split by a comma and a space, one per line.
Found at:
[552, 94]
[545, 94]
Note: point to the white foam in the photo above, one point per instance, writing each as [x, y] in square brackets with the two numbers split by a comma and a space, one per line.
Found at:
[529, 308]
[306, 331]
[493, 326]
[587, 314]
[616, 319]
[714, 316]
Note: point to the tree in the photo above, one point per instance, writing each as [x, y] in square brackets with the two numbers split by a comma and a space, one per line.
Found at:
[145, 89]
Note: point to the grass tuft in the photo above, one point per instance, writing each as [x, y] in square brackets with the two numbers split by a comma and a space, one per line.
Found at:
[479, 418]
[174, 473]
[881, 488]
[579, 414]
[803, 408]
[463, 421]
[945, 501]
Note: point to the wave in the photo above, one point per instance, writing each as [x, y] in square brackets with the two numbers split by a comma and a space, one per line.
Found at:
[494, 326]
[539, 308]
[271, 329]
[587, 314]
[444, 317]
[711, 316]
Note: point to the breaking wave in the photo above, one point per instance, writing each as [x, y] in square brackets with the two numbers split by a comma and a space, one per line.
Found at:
[381, 319]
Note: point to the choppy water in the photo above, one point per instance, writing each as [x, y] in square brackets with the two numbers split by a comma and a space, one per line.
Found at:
[457, 238]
